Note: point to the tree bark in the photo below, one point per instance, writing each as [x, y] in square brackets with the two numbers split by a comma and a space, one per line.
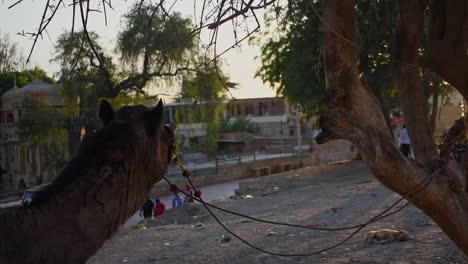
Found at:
[447, 42]
[346, 116]
[410, 88]
[456, 133]
[434, 111]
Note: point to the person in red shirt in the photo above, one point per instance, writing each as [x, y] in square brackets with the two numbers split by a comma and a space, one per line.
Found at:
[159, 208]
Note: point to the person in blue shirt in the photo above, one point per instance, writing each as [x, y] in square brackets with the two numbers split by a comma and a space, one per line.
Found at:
[176, 200]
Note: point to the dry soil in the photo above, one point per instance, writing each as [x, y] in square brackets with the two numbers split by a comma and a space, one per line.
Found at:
[329, 196]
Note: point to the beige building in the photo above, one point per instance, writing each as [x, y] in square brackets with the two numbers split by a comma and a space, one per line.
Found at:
[453, 108]
[25, 163]
[271, 116]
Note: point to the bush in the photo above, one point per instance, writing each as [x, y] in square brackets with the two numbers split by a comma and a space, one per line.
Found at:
[239, 125]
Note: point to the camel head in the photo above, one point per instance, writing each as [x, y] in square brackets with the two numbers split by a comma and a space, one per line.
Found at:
[134, 144]
[152, 141]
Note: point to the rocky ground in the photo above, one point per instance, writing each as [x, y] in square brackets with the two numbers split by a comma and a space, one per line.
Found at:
[328, 196]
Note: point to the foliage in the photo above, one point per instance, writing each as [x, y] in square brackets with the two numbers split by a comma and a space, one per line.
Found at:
[238, 125]
[41, 123]
[207, 89]
[130, 98]
[292, 57]
[147, 37]
[7, 79]
[376, 32]
[153, 37]
[74, 53]
[11, 57]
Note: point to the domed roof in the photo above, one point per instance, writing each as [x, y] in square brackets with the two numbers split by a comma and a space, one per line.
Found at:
[46, 92]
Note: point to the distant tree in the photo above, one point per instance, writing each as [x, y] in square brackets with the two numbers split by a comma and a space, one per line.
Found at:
[11, 56]
[154, 44]
[292, 56]
[207, 88]
[238, 125]
[41, 123]
[151, 46]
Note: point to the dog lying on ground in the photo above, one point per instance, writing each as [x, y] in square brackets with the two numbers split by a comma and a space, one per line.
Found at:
[386, 236]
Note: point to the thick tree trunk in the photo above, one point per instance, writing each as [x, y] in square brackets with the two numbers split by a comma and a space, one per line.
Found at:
[410, 88]
[346, 116]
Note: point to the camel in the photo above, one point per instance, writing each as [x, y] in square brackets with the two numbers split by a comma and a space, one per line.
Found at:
[103, 185]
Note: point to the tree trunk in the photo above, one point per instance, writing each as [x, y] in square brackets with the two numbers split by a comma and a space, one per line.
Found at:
[447, 42]
[74, 136]
[409, 82]
[434, 111]
[346, 116]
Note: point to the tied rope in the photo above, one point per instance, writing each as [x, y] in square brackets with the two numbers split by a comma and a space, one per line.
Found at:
[197, 197]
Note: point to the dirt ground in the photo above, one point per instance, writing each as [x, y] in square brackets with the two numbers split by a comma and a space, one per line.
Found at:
[331, 196]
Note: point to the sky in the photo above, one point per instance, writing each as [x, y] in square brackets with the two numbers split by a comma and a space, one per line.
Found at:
[239, 63]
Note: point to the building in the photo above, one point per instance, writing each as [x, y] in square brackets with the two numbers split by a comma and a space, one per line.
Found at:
[452, 108]
[25, 163]
[271, 116]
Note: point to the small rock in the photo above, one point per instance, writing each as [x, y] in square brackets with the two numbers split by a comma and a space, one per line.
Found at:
[225, 239]
[423, 223]
[197, 225]
[271, 233]
[336, 209]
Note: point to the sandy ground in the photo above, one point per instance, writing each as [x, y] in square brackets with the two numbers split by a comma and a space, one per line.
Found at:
[331, 196]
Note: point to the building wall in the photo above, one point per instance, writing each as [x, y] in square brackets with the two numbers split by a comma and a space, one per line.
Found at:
[333, 151]
[21, 161]
[448, 114]
[271, 106]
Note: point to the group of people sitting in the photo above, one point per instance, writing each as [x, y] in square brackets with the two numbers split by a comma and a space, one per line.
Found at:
[157, 208]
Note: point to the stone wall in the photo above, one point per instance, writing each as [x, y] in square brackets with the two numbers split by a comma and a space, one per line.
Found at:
[333, 151]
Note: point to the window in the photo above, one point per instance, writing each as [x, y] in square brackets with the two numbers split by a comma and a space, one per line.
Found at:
[9, 118]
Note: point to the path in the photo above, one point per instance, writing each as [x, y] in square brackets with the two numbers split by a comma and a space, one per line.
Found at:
[215, 192]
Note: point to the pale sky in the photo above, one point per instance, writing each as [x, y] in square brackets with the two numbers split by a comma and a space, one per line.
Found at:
[240, 65]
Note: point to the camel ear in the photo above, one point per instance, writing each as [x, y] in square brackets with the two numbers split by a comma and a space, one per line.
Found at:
[154, 118]
[106, 113]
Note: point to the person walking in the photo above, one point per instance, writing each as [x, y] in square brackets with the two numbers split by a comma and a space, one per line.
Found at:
[405, 144]
[396, 135]
[147, 209]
